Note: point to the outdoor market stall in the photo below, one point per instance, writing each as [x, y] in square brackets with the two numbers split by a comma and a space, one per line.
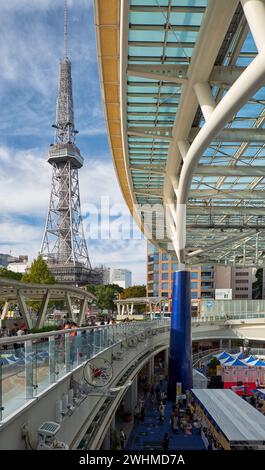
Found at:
[234, 423]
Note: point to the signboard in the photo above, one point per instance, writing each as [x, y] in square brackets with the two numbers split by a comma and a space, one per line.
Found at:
[178, 390]
[223, 294]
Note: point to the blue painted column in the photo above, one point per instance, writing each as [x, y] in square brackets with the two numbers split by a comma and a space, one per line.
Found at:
[180, 349]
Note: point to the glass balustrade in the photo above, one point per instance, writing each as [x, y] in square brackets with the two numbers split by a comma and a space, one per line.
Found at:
[31, 364]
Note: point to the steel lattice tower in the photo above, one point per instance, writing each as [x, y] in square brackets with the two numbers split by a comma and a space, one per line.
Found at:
[64, 246]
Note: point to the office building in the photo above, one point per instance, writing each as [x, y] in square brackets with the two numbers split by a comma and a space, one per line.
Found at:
[122, 277]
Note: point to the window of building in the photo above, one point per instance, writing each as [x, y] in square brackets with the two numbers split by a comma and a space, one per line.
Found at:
[241, 281]
[174, 266]
[164, 276]
[165, 285]
[194, 285]
[241, 288]
[164, 294]
[164, 266]
[244, 273]
[194, 275]
[194, 295]
[242, 296]
[165, 257]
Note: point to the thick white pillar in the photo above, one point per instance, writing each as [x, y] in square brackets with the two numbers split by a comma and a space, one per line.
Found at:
[166, 361]
[183, 146]
[131, 397]
[205, 98]
[5, 310]
[255, 14]
[150, 370]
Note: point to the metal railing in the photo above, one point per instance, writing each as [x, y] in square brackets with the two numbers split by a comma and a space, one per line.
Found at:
[222, 318]
[30, 364]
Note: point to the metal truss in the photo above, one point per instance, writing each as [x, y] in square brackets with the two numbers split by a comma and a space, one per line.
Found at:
[64, 241]
[64, 246]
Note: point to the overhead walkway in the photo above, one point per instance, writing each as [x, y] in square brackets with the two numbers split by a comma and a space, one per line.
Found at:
[76, 381]
[21, 292]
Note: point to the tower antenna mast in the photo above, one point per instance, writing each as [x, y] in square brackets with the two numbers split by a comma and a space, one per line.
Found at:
[65, 29]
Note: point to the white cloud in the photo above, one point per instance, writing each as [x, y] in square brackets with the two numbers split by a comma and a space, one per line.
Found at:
[24, 191]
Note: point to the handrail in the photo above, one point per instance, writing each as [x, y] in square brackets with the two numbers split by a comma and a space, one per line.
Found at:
[35, 336]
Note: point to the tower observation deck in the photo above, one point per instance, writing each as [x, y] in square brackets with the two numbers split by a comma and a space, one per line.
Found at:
[64, 247]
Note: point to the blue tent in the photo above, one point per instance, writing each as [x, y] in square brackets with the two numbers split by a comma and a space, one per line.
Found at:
[239, 355]
[222, 355]
[235, 362]
[258, 363]
[250, 359]
[227, 359]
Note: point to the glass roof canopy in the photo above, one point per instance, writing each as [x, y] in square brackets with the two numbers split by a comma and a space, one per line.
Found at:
[225, 210]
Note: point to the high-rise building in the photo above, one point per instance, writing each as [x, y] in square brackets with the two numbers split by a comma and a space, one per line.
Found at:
[6, 259]
[204, 279]
[64, 246]
[122, 277]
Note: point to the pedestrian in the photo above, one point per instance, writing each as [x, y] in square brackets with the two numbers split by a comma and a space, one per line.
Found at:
[161, 412]
[142, 414]
[165, 441]
[122, 438]
[174, 422]
[136, 414]
[4, 334]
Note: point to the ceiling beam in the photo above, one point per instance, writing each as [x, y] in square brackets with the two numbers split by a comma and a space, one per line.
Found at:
[244, 170]
[225, 227]
[226, 194]
[165, 8]
[152, 168]
[235, 135]
[149, 192]
[229, 240]
[175, 44]
[163, 27]
[161, 133]
[178, 73]
[225, 210]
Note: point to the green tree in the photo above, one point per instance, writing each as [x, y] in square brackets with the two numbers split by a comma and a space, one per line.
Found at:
[39, 273]
[105, 295]
[133, 292]
[6, 273]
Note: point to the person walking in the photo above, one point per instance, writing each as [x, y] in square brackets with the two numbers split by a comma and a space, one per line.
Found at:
[161, 412]
[165, 441]
[136, 414]
[142, 414]
[122, 438]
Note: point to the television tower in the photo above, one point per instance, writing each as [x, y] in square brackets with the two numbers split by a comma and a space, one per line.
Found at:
[64, 247]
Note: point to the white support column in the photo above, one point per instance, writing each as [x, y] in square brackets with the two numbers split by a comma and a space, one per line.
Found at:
[122, 309]
[5, 310]
[255, 14]
[43, 309]
[150, 370]
[69, 306]
[205, 98]
[183, 146]
[24, 310]
[166, 361]
[82, 311]
[127, 309]
[119, 309]
[131, 310]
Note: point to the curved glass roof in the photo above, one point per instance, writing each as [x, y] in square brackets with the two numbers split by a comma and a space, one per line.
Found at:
[225, 211]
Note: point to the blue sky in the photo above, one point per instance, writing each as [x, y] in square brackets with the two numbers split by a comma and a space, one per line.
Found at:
[31, 45]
